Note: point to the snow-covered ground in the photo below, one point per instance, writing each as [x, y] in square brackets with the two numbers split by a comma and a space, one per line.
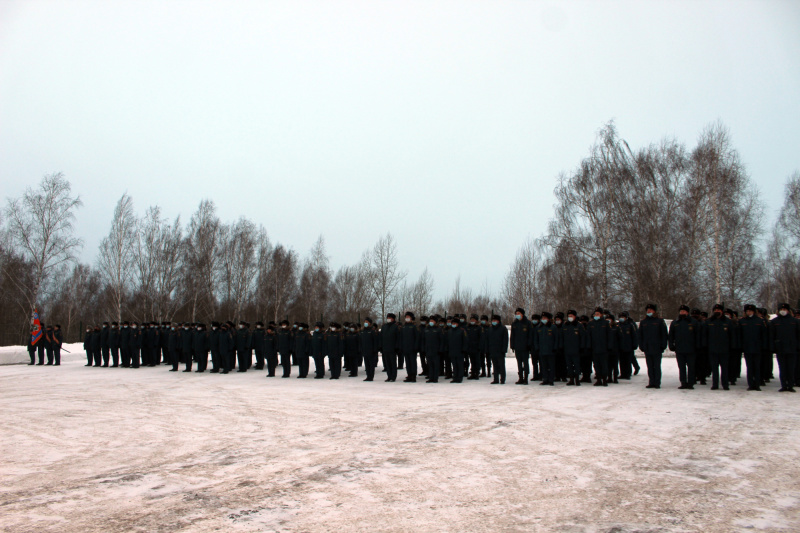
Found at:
[114, 449]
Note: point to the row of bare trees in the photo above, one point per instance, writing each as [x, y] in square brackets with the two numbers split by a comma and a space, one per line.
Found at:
[661, 224]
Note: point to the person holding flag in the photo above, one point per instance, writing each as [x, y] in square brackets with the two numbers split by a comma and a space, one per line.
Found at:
[36, 336]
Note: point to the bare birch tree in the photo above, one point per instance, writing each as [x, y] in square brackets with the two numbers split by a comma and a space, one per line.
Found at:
[115, 257]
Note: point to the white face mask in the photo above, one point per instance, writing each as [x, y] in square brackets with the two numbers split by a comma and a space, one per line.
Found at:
[408, 320]
[622, 319]
[783, 312]
[300, 329]
[571, 318]
[558, 322]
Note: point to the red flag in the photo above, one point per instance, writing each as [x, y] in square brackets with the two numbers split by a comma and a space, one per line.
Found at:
[36, 334]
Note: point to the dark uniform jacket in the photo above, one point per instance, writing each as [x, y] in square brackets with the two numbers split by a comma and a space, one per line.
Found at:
[718, 334]
[753, 335]
[684, 335]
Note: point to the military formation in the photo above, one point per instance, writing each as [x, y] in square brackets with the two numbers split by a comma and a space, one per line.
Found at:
[548, 347]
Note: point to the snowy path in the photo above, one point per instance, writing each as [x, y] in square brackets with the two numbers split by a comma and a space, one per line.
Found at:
[96, 449]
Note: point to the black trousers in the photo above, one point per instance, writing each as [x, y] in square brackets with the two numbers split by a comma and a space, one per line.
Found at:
[625, 369]
[49, 352]
[523, 369]
[32, 354]
[106, 355]
[411, 366]
[97, 357]
[600, 361]
[370, 363]
[433, 367]
[259, 359]
[536, 363]
[573, 365]
[548, 362]
[135, 357]
[245, 358]
[719, 368]
[174, 359]
[57, 354]
[499, 362]
[767, 366]
[319, 366]
[613, 364]
[458, 367]
[335, 362]
[188, 360]
[286, 363]
[753, 361]
[390, 362]
[586, 367]
[475, 364]
[125, 355]
[686, 367]
[654, 367]
[423, 364]
[400, 360]
[302, 364]
[786, 365]
[202, 361]
[486, 363]
[272, 363]
[115, 356]
[735, 365]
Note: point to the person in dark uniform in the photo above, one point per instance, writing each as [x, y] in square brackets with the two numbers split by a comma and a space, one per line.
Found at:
[351, 349]
[226, 345]
[702, 367]
[105, 347]
[284, 344]
[767, 359]
[200, 347]
[32, 349]
[302, 349]
[334, 346]
[573, 339]
[187, 346]
[244, 349]
[456, 341]
[124, 341]
[497, 346]
[546, 341]
[390, 346]
[653, 340]
[113, 344]
[423, 356]
[47, 338]
[536, 360]
[318, 350]
[474, 347]
[368, 345]
[87, 346]
[96, 346]
[409, 346]
[597, 340]
[135, 344]
[561, 362]
[173, 346]
[258, 339]
[753, 337]
[521, 344]
[718, 336]
[213, 347]
[58, 340]
[486, 359]
[683, 340]
[784, 337]
[445, 365]
[627, 345]
[586, 352]
[163, 343]
[614, 344]
[432, 346]
[736, 350]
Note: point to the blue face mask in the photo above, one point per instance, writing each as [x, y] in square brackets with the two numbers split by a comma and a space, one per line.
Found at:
[544, 321]
[453, 325]
[597, 318]
[622, 319]
[431, 324]
[494, 323]
[366, 324]
[650, 314]
[534, 322]
[517, 317]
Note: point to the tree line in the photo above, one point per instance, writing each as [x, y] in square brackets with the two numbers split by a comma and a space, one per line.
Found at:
[662, 223]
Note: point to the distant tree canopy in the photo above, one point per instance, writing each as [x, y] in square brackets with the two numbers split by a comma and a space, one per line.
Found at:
[663, 224]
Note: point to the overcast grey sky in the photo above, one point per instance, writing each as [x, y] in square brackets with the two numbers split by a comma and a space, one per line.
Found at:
[446, 123]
